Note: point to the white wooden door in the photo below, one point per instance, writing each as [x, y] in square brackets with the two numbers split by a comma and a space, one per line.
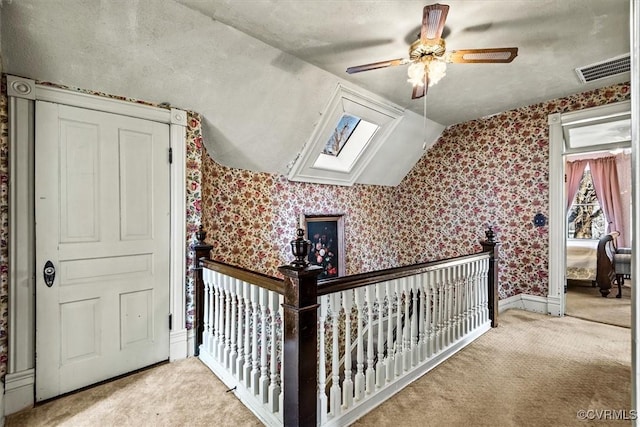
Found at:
[102, 219]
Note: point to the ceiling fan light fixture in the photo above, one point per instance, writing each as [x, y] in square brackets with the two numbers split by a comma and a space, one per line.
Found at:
[428, 55]
[416, 73]
[437, 69]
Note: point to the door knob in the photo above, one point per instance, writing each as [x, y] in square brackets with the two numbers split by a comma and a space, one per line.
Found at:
[49, 273]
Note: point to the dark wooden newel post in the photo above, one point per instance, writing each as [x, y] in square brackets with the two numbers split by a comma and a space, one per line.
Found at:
[300, 337]
[202, 250]
[490, 245]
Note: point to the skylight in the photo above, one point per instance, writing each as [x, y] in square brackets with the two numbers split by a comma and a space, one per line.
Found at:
[350, 137]
[352, 129]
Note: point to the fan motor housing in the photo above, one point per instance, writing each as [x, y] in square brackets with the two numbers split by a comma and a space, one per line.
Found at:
[421, 49]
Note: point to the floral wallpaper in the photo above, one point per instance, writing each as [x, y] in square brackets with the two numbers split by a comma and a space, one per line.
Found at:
[487, 171]
[193, 176]
[491, 171]
[4, 226]
[251, 218]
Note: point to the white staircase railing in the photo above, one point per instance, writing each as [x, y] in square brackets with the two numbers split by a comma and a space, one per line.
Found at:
[404, 327]
[376, 333]
[242, 341]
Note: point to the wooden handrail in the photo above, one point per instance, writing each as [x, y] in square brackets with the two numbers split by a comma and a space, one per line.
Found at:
[301, 288]
[263, 280]
[339, 284]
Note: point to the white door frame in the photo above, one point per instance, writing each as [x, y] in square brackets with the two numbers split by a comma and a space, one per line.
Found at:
[22, 93]
[557, 205]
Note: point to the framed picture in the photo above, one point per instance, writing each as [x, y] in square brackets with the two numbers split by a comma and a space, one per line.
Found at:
[326, 249]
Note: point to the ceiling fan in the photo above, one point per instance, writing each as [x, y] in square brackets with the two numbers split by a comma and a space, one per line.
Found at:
[428, 56]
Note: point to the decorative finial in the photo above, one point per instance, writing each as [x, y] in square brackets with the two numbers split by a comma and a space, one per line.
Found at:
[201, 235]
[490, 234]
[300, 249]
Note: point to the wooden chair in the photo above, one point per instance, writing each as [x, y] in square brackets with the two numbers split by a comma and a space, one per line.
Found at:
[622, 267]
[605, 271]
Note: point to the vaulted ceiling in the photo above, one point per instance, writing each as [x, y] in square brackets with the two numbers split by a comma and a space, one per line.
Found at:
[261, 72]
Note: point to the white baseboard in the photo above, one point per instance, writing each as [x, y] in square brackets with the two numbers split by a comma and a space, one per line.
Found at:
[191, 343]
[178, 345]
[2, 407]
[526, 302]
[18, 392]
[514, 301]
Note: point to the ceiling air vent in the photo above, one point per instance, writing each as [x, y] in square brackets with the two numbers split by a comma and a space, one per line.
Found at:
[608, 68]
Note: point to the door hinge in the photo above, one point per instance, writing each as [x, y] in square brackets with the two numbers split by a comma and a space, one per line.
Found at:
[170, 155]
[565, 177]
[170, 321]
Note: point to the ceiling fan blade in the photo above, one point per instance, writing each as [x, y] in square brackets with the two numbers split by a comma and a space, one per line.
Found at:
[420, 90]
[433, 17]
[376, 65]
[497, 55]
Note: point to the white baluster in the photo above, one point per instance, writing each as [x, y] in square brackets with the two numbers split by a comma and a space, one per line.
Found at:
[233, 344]
[443, 309]
[228, 321]
[475, 298]
[455, 318]
[472, 295]
[436, 310]
[415, 317]
[485, 290]
[240, 360]
[334, 392]
[457, 331]
[398, 333]
[462, 295]
[206, 331]
[380, 368]
[448, 311]
[456, 303]
[274, 384]
[213, 313]
[465, 299]
[423, 321]
[347, 384]
[428, 298]
[370, 373]
[359, 379]
[264, 364]
[322, 360]
[221, 318]
[281, 355]
[391, 348]
[479, 284]
[247, 334]
[406, 325]
[255, 360]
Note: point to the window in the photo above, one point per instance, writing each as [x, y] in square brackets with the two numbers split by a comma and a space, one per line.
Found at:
[586, 219]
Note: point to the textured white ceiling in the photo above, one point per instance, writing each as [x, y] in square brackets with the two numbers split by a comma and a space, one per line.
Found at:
[553, 36]
[262, 71]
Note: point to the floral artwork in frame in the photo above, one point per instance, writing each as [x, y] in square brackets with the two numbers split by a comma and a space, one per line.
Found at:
[325, 234]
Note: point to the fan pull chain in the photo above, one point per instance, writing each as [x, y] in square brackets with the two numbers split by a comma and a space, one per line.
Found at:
[424, 143]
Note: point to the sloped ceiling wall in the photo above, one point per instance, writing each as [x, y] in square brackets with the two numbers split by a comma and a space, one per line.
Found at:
[259, 104]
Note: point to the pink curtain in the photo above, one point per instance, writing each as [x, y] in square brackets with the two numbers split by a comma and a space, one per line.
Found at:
[605, 181]
[623, 165]
[573, 171]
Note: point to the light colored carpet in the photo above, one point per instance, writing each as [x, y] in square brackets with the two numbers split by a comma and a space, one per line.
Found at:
[585, 302]
[533, 370]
